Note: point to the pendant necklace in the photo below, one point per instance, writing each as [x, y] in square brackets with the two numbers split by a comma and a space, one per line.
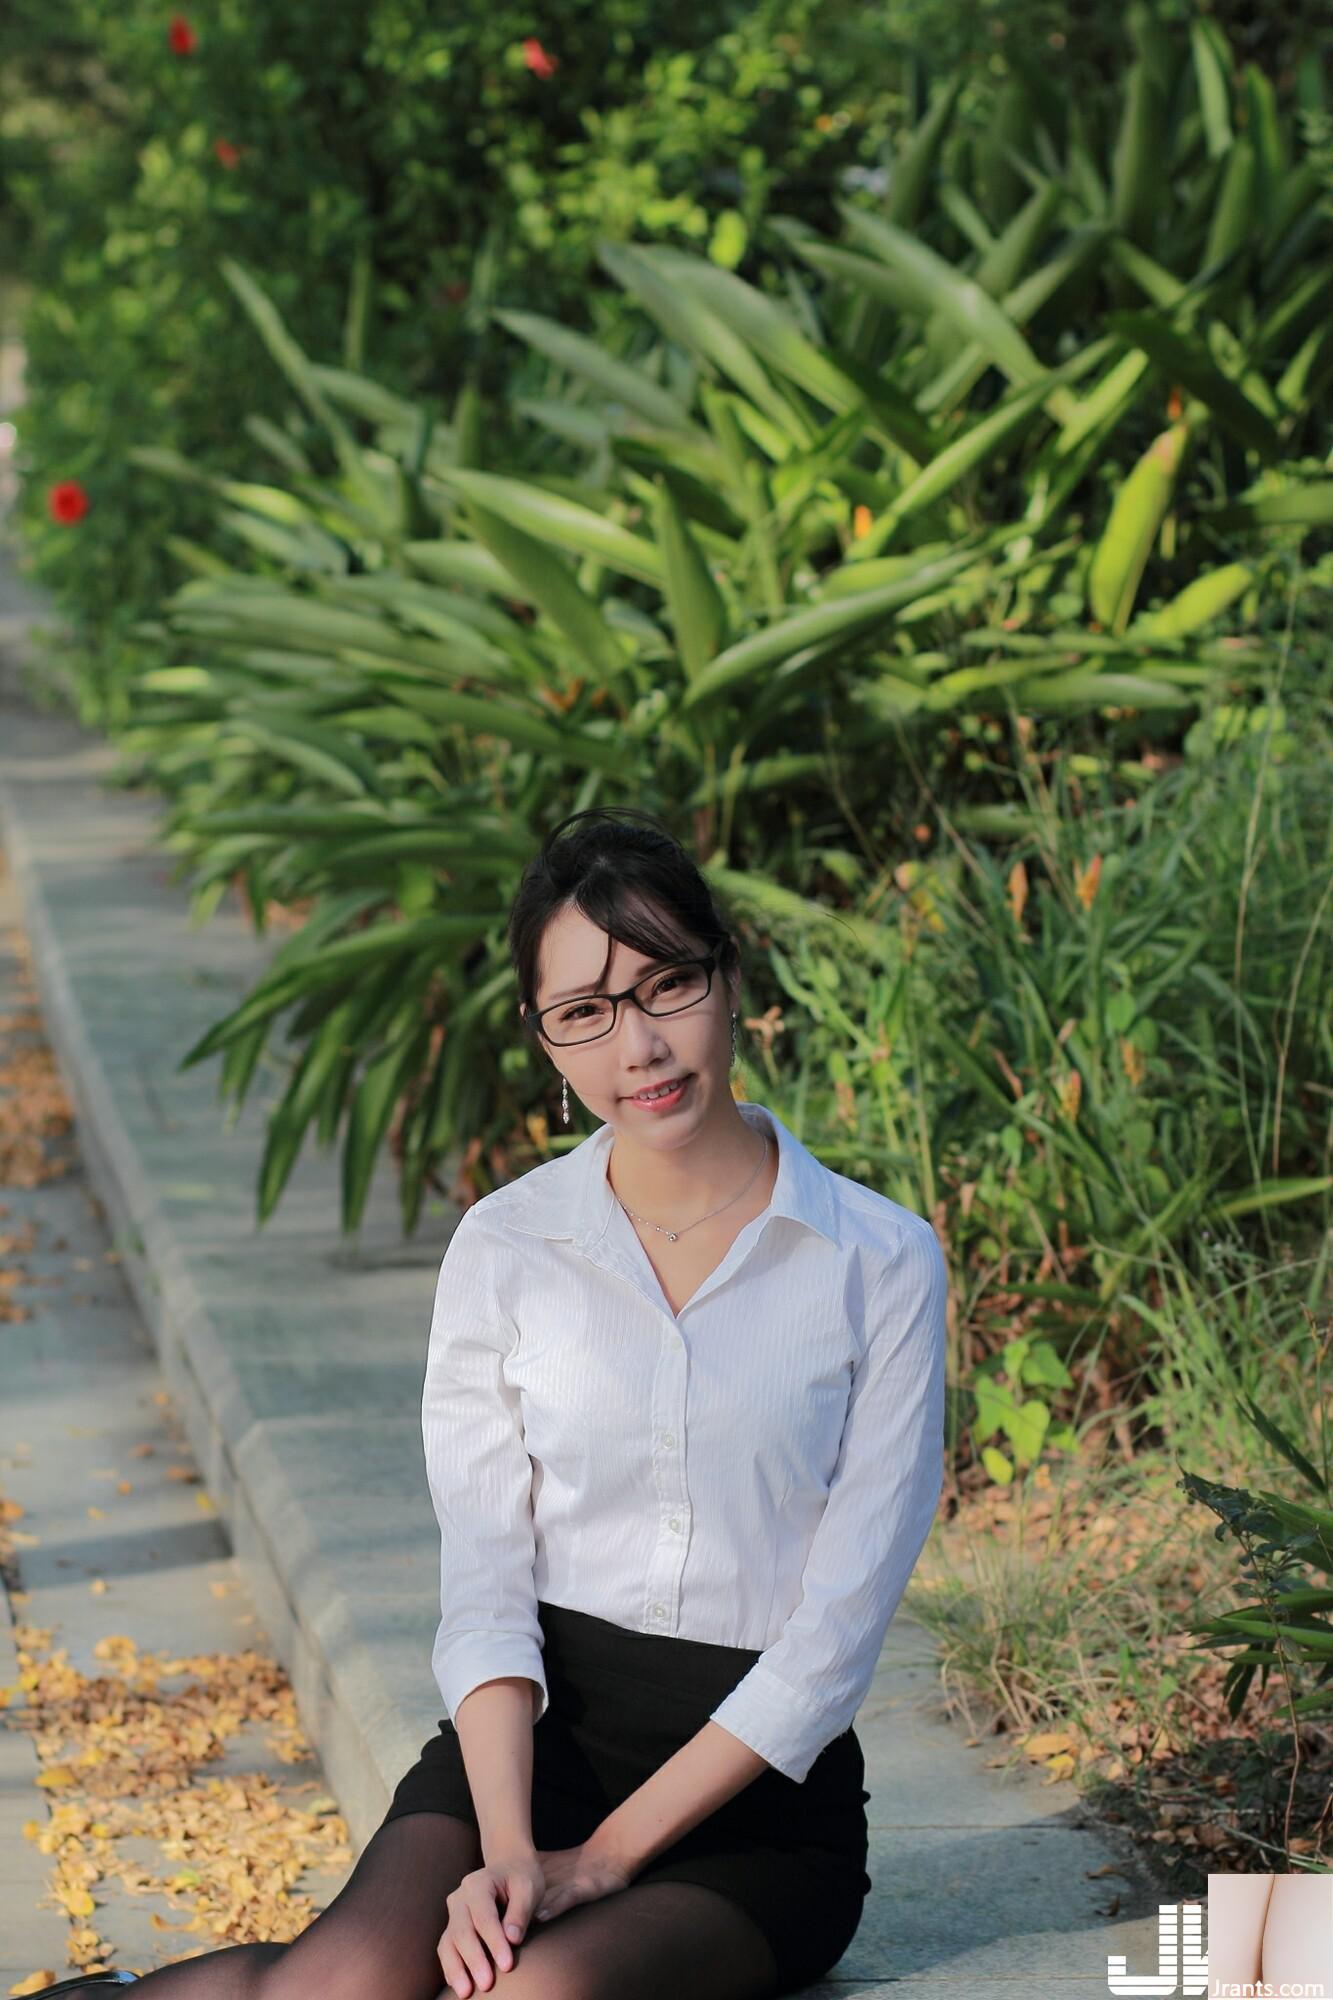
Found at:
[673, 1235]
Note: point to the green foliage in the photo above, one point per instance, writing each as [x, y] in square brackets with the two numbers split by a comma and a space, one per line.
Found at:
[420, 658]
[390, 171]
[1286, 1545]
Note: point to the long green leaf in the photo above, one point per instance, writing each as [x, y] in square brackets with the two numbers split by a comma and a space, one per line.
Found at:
[909, 175]
[965, 455]
[1136, 515]
[943, 289]
[698, 614]
[821, 624]
[615, 380]
[1212, 65]
[764, 325]
[325, 754]
[287, 979]
[549, 517]
[547, 579]
[652, 275]
[1183, 359]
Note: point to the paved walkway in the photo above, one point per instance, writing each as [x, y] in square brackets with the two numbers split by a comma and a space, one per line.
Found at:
[113, 1540]
[296, 1360]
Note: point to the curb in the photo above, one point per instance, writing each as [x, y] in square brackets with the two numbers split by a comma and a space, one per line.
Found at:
[362, 1679]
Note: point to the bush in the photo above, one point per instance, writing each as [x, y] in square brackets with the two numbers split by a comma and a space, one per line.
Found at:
[699, 613]
[390, 171]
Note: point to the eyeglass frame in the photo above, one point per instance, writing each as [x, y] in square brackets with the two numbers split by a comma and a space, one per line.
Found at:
[534, 1021]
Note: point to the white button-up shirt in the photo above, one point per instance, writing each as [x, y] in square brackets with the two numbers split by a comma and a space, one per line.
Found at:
[760, 1469]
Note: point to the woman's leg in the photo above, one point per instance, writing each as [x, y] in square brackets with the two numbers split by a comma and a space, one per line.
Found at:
[651, 1941]
[376, 1940]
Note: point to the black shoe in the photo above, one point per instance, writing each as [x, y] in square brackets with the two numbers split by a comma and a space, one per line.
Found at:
[106, 1979]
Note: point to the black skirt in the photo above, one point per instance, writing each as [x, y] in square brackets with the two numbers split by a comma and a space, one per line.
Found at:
[792, 1855]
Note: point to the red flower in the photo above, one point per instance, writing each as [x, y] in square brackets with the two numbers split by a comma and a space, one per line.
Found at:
[537, 60]
[67, 501]
[181, 36]
[226, 152]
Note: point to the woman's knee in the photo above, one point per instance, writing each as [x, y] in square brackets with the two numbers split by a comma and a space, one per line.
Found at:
[380, 1934]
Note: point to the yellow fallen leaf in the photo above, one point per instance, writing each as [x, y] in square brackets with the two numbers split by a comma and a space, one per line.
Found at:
[204, 1504]
[53, 1780]
[36, 1982]
[1048, 1743]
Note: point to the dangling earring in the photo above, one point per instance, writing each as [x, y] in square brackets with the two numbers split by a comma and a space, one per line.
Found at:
[564, 1098]
[733, 1038]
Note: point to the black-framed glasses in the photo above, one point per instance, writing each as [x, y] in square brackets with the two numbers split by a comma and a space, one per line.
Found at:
[588, 1016]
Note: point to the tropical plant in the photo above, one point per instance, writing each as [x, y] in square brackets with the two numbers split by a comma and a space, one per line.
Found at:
[785, 535]
[1285, 1544]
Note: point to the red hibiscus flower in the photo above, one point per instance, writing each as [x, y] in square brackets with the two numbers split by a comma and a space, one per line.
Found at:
[226, 152]
[181, 36]
[537, 60]
[67, 501]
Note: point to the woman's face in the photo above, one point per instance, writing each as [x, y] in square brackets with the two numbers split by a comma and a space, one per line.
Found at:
[641, 1050]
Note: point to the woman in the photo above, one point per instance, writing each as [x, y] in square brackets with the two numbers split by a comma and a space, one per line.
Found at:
[683, 1423]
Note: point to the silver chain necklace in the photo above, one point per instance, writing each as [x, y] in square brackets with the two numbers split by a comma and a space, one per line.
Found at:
[673, 1234]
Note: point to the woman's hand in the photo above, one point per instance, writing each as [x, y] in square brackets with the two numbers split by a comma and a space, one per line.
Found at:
[475, 1926]
[579, 1875]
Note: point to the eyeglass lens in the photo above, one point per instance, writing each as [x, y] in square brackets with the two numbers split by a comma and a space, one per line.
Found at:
[665, 992]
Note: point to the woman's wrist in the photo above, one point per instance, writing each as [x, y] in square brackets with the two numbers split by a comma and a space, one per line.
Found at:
[507, 1844]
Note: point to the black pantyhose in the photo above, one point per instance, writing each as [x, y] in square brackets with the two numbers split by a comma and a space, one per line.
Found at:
[378, 1939]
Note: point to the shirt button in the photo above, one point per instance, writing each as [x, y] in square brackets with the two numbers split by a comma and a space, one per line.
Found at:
[659, 1611]
[674, 1524]
[668, 1437]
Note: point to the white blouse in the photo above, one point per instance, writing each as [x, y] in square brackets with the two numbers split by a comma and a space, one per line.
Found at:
[759, 1470]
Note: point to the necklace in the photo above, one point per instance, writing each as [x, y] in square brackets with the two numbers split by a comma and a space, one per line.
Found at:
[672, 1234]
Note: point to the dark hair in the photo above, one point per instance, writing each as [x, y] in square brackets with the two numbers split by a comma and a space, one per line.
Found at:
[605, 865]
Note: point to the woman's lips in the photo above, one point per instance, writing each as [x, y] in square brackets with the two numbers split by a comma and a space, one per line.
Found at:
[649, 1103]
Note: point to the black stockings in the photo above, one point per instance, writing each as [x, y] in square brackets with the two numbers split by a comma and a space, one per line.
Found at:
[378, 1939]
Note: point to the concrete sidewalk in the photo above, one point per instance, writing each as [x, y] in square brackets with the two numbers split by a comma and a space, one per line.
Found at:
[113, 1539]
[297, 1360]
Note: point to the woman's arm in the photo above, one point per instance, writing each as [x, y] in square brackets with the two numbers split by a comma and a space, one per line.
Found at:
[702, 1775]
[877, 1516]
[494, 1725]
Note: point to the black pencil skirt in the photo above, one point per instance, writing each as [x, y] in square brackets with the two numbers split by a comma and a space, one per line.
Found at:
[792, 1855]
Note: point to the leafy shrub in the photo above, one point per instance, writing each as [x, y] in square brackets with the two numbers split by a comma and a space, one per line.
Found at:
[390, 170]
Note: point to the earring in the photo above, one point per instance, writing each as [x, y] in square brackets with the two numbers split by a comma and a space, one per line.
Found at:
[564, 1098]
[733, 1038]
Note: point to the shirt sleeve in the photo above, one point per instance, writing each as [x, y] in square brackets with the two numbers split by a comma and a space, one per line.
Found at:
[480, 1479]
[806, 1687]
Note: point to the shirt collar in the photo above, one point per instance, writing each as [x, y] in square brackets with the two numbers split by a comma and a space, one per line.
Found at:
[571, 1196]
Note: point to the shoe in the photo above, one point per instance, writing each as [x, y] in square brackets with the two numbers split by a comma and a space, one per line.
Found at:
[107, 1979]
